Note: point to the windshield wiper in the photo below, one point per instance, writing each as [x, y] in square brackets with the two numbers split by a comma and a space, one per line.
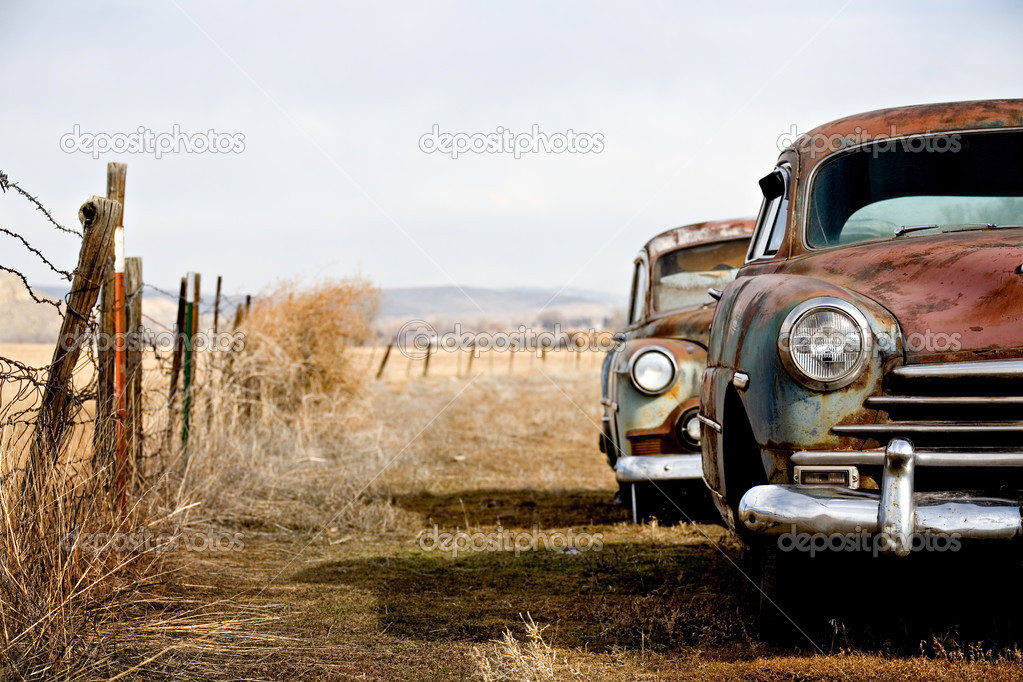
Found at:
[958, 227]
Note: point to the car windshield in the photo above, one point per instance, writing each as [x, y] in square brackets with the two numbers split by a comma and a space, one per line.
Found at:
[682, 277]
[946, 180]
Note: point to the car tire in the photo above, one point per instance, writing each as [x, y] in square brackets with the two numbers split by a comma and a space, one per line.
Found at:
[781, 615]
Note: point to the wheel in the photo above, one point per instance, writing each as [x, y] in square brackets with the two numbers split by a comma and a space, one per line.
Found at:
[782, 614]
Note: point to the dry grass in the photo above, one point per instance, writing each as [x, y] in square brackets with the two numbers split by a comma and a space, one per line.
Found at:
[511, 660]
[268, 415]
[331, 478]
[81, 588]
[509, 452]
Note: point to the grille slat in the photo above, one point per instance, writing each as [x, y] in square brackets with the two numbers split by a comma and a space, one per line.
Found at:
[957, 405]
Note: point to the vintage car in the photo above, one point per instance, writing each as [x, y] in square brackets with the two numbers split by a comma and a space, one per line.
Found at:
[865, 368]
[651, 379]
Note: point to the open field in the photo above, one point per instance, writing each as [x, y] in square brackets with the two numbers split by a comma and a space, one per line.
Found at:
[358, 591]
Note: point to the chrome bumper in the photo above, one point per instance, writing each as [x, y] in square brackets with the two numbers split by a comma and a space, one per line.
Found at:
[640, 468]
[897, 512]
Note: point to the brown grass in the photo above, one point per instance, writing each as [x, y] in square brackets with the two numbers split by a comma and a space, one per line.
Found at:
[330, 478]
[513, 451]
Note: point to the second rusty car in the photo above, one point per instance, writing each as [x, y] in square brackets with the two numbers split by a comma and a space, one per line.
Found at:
[650, 380]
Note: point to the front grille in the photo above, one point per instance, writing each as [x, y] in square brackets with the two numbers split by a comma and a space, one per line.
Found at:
[976, 405]
[648, 445]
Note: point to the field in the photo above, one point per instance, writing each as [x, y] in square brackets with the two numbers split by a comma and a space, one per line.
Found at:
[366, 596]
[462, 526]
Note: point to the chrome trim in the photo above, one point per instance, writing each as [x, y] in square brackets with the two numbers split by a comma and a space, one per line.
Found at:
[740, 380]
[838, 457]
[924, 458]
[895, 516]
[851, 471]
[640, 468]
[760, 239]
[808, 186]
[880, 402]
[997, 369]
[897, 513]
[650, 349]
[715, 293]
[709, 422]
[774, 510]
[860, 430]
[812, 305]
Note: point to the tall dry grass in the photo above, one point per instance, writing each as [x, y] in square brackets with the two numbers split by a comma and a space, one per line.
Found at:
[66, 579]
[290, 400]
[512, 660]
[79, 583]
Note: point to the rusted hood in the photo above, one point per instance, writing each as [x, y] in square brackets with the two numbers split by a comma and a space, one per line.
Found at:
[690, 325]
[963, 285]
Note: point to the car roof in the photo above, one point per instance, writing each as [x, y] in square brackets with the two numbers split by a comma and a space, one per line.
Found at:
[919, 119]
[706, 232]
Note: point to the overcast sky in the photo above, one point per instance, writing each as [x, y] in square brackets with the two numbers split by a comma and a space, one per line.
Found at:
[332, 99]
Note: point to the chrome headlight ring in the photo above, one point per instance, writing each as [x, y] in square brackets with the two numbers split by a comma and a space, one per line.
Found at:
[825, 343]
[643, 364]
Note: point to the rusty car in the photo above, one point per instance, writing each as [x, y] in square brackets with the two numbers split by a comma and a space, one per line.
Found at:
[651, 378]
[865, 367]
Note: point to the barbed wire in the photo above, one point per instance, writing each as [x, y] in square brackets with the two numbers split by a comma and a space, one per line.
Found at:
[6, 184]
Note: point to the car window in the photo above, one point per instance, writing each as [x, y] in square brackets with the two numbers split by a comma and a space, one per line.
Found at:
[637, 302]
[871, 192]
[774, 210]
[682, 277]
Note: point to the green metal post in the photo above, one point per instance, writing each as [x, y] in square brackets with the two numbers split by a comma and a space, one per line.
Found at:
[186, 398]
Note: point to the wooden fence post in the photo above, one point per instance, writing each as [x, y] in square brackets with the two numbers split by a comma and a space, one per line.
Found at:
[102, 434]
[104, 428]
[383, 363]
[191, 296]
[216, 307]
[133, 293]
[429, 352]
[179, 346]
[472, 353]
[99, 218]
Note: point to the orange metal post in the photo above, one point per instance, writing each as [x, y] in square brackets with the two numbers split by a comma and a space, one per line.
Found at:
[120, 367]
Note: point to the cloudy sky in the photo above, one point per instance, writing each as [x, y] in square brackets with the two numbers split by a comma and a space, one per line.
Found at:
[327, 103]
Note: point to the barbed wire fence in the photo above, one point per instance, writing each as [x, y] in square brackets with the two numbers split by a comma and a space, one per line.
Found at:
[67, 406]
[79, 436]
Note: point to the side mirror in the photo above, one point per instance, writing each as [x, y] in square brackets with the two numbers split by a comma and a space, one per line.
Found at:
[715, 293]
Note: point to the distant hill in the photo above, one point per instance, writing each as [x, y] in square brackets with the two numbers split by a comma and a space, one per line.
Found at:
[479, 308]
[25, 320]
[474, 308]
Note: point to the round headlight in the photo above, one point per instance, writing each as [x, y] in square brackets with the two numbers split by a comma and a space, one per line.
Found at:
[688, 429]
[653, 370]
[825, 342]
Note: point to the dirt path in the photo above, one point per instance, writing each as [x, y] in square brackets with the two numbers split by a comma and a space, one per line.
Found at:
[515, 461]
